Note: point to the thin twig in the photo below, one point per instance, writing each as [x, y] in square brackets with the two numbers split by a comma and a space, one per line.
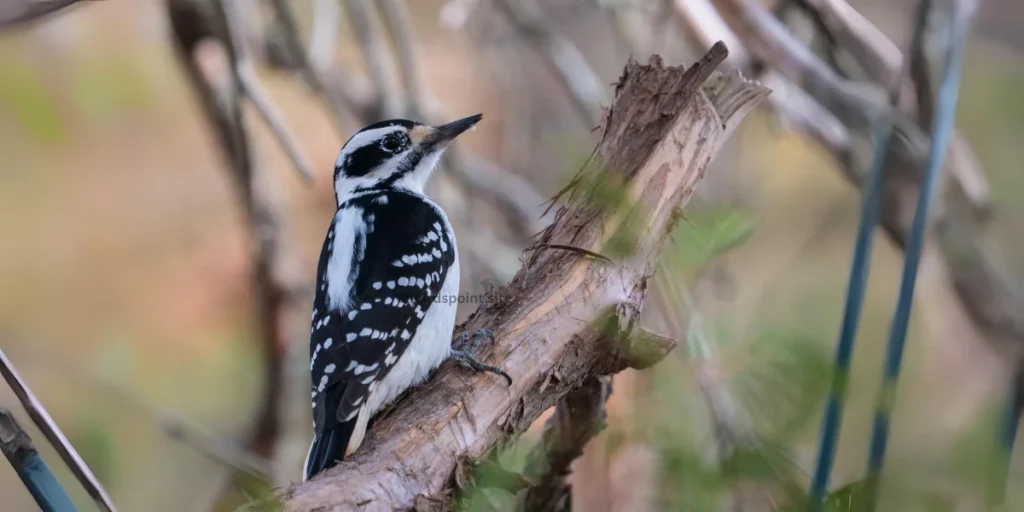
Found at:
[376, 56]
[510, 191]
[799, 111]
[881, 59]
[518, 197]
[399, 20]
[323, 36]
[338, 90]
[245, 73]
[53, 434]
[580, 81]
[173, 425]
[578, 250]
[223, 451]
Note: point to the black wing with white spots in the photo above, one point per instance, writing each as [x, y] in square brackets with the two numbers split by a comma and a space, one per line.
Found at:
[400, 260]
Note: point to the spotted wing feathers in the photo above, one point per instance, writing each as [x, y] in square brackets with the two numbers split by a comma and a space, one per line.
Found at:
[404, 259]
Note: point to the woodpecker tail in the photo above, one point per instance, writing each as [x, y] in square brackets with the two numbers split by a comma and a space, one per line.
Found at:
[328, 448]
[332, 435]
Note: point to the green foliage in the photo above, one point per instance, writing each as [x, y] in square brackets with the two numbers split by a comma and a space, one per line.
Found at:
[704, 235]
[490, 484]
[24, 94]
[784, 384]
[93, 440]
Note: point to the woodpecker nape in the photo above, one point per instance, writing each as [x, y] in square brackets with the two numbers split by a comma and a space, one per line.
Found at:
[377, 326]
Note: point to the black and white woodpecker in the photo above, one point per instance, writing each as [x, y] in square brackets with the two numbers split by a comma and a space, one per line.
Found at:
[378, 326]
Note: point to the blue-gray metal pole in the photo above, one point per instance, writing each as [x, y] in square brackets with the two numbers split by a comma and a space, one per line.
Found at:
[25, 459]
[941, 132]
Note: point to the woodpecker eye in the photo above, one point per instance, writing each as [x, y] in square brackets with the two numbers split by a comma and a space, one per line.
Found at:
[392, 144]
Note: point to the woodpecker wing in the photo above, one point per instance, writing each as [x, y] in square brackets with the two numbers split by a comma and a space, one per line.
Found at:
[400, 256]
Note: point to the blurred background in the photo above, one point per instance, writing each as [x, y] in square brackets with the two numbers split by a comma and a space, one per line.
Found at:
[126, 261]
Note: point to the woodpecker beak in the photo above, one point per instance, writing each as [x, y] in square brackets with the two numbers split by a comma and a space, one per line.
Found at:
[441, 136]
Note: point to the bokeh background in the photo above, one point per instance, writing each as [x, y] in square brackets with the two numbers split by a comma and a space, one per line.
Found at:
[125, 260]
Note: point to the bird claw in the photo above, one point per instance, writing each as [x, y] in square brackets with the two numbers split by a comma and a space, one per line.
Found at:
[465, 357]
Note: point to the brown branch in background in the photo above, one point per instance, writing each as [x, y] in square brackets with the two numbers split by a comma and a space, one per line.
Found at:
[512, 193]
[399, 21]
[376, 56]
[323, 35]
[482, 177]
[983, 285]
[545, 318]
[339, 91]
[798, 110]
[881, 59]
[19, 12]
[579, 80]
[44, 422]
[249, 85]
[508, 190]
[578, 418]
[222, 103]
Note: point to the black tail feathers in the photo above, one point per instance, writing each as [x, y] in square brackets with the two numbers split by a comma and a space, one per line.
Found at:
[328, 448]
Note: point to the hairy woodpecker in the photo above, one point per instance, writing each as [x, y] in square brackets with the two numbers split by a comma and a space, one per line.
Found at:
[378, 324]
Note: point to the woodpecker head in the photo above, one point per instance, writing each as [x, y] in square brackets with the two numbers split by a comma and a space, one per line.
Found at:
[394, 153]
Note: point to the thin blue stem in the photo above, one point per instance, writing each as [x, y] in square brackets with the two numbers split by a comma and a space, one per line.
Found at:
[941, 130]
[871, 206]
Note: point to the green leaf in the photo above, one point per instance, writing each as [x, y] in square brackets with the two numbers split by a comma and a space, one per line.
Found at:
[708, 234]
[23, 93]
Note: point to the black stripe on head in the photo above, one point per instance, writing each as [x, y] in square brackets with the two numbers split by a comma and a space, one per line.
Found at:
[407, 124]
[363, 160]
[370, 154]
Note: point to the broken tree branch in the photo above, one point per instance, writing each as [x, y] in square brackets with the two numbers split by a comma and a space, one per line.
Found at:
[561, 313]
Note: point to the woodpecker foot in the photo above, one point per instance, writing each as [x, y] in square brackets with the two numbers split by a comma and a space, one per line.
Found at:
[469, 346]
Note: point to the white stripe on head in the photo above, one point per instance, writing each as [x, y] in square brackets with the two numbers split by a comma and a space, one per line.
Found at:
[365, 138]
